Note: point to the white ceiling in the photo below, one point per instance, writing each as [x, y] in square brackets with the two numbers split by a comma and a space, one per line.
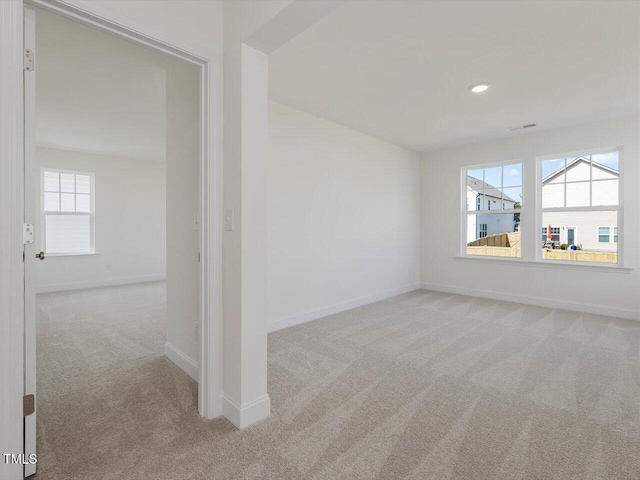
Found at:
[97, 93]
[399, 70]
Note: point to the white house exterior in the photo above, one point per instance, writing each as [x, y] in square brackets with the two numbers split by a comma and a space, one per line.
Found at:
[482, 196]
[593, 230]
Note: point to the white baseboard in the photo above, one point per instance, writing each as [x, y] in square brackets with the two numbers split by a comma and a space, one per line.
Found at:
[247, 414]
[63, 287]
[182, 361]
[310, 315]
[537, 301]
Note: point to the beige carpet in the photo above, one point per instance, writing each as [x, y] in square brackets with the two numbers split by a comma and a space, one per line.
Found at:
[423, 386]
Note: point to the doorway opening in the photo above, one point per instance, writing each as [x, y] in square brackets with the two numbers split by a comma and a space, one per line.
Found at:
[113, 186]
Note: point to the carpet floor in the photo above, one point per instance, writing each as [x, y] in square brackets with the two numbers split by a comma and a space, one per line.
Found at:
[422, 386]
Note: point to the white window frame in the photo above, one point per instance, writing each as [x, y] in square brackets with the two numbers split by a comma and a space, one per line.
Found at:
[609, 233]
[612, 233]
[619, 209]
[43, 213]
[465, 212]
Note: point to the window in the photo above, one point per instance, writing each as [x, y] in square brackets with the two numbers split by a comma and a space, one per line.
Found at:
[603, 234]
[490, 229]
[67, 206]
[582, 192]
[555, 234]
[607, 234]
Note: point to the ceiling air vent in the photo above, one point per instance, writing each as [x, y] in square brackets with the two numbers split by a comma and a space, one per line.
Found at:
[522, 127]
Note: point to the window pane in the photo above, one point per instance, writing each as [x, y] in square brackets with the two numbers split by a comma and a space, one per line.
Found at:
[476, 175]
[67, 202]
[580, 236]
[578, 194]
[512, 175]
[615, 234]
[553, 195]
[578, 169]
[83, 203]
[512, 197]
[603, 234]
[83, 184]
[493, 235]
[600, 173]
[605, 192]
[51, 202]
[609, 160]
[493, 177]
[67, 182]
[51, 182]
[68, 233]
[475, 189]
[549, 167]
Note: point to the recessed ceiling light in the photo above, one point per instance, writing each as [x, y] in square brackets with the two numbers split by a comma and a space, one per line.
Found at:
[479, 88]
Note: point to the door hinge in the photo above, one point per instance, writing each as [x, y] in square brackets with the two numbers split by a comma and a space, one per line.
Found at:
[27, 234]
[29, 60]
[28, 404]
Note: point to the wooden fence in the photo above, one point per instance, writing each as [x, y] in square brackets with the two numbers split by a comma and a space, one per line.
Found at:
[500, 240]
[580, 256]
[494, 251]
[557, 254]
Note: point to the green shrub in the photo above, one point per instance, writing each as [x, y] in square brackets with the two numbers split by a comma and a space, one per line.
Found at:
[564, 246]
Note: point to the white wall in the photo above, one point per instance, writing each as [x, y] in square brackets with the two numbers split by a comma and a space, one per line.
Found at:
[129, 224]
[577, 288]
[343, 217]
[244, 264]
[183, 204]
[196, 26]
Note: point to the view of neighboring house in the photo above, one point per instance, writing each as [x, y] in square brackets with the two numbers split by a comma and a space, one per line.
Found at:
[482, 196]
[592, 230]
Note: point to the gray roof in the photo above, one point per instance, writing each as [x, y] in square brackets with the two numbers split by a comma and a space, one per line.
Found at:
[489, 190]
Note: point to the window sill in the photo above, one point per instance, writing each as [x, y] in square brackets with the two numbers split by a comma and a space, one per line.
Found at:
[548, 264]
[67, 255]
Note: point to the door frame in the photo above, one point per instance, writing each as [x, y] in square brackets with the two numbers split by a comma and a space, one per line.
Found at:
[11, 218]
[12, 205]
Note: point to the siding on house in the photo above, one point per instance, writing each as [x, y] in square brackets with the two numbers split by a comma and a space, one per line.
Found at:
[583, 193]
[586, 227]
[495, 223]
